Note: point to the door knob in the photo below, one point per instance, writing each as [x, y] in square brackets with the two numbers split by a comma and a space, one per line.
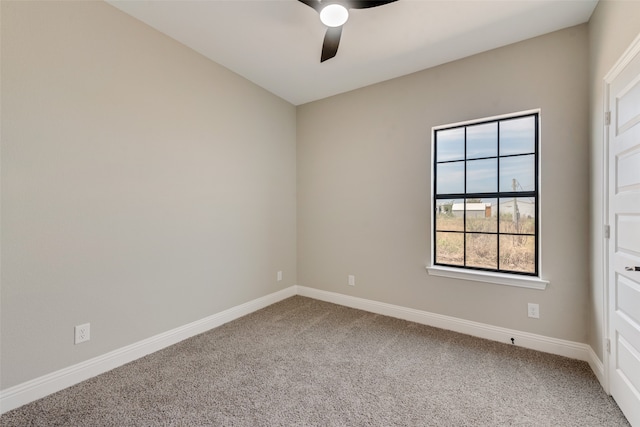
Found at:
[636, 268]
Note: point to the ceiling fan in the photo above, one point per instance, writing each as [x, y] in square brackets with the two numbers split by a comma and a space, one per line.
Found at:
[333, 14]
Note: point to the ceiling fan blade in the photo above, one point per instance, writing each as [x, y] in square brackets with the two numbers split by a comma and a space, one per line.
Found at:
[315, 4]
[365, 4]
[331, 42]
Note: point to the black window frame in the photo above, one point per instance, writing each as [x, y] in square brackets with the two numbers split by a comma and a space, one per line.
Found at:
[498, 195]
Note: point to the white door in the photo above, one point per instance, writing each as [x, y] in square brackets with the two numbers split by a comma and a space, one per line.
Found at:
[624, 244]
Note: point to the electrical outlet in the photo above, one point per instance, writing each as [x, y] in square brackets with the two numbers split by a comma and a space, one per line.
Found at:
[534, 310]
[279, 276]
[82, 333]
[351, 280]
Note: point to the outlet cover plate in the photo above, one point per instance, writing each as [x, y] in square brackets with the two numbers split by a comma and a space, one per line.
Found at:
[533, 310]
[82, 333]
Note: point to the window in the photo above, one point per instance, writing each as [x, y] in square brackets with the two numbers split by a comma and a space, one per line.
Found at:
[485, 195]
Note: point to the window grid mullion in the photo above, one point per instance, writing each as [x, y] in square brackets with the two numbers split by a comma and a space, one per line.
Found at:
[498, 200]
[464, 205]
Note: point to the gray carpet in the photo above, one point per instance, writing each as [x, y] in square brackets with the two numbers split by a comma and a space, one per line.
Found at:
[303, 362]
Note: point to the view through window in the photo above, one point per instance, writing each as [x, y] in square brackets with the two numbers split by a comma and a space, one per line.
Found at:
[486, 194]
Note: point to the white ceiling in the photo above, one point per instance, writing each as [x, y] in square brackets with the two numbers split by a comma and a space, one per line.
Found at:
[277, 43]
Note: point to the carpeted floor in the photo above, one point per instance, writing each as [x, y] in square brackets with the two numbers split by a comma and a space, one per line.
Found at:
[303, 362]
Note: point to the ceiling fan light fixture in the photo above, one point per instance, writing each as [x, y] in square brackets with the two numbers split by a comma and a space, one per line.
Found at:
[334, 15]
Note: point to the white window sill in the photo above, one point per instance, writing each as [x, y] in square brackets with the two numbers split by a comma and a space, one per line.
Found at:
[489, 277]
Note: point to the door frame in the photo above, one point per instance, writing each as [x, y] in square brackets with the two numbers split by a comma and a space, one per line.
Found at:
[624, 60]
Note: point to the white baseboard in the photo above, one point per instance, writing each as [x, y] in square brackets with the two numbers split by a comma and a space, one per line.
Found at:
[598, 369]
[37, 388]
[560, 347]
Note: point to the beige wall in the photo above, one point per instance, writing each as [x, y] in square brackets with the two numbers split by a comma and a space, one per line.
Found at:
[612, 28]
[143, 186]
[364, 184]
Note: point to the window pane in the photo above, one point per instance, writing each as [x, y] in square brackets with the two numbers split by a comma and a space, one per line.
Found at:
[517, 173]
[450, 145]
[482, 176]
[450, 178]
[449, 215]
[482, 215]
[517, 253]
[482, 140]
[450, 248]
[482, 250]
[517, 136]
[517, 215]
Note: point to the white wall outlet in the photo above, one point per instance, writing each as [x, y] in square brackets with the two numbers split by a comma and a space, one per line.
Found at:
[279, 276]
[82, 333]
[534, 310]
[351, 280]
